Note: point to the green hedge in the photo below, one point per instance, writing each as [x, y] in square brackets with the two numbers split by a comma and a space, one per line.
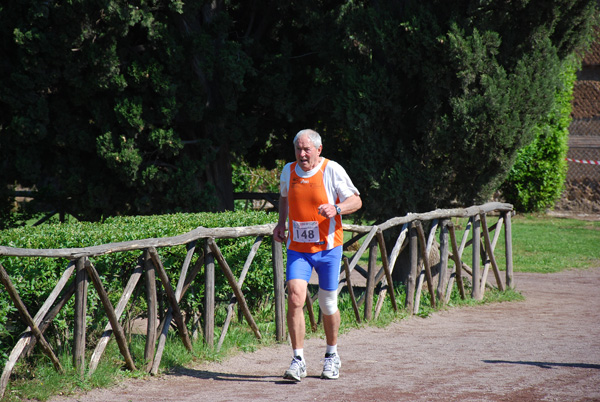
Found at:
[36, 277]
[536, 180]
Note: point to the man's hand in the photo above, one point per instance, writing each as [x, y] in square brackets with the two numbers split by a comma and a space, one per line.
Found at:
[350, 205]
[327, 210]
[279, 233]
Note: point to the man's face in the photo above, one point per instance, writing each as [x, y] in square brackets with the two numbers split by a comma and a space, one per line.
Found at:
[307, 155]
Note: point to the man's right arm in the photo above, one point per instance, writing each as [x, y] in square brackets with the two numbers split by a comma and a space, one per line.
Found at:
[279, 231]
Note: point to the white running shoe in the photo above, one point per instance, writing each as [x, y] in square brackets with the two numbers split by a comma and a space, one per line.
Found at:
[331, 366]
[297, 369]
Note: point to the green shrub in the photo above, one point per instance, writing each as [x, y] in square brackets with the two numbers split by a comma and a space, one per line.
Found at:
[537, 178]
[35, 278]
[254, 180]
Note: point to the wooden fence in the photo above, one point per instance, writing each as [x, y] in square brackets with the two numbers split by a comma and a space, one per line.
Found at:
[412, 235]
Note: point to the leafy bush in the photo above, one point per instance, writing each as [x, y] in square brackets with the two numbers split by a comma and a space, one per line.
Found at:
[255, 180]
[35, 278]
[537, 178]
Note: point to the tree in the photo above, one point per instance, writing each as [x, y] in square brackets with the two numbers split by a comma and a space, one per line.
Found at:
[113, 107]
[438, 97]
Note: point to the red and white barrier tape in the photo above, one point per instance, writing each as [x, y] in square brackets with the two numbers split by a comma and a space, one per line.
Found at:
[585, 162]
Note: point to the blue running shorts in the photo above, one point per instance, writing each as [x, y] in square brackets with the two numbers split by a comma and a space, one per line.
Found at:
[327, 264]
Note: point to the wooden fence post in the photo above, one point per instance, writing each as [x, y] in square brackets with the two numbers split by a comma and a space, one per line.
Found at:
[425, 257]
[182, 286]
[151, 300]
[508, 249]
[110, 312]
[443, 274]
[14, 295]
[351, 289]
[27, 339]
[81, 281]
[396, 250]
[311, 312]
[278, 284]
[489, 245]
[387, 272]
[172, 298]
[368, 312]
[411, 281]
[240, 282]
[209, 295]
[476, 292]
[108, 331]
[233, 283]
[456, 256]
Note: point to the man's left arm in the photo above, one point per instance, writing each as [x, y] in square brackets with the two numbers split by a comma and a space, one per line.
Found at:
[344, 190]
[348, 206]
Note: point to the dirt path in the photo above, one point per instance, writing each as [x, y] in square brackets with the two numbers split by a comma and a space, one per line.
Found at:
[546, 348]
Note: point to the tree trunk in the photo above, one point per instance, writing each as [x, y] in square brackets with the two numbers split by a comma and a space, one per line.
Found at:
[218, 173]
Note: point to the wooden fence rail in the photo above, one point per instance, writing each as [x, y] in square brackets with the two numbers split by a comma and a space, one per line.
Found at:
[412, 235]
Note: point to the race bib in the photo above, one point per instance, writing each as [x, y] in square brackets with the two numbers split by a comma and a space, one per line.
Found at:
[306, 232]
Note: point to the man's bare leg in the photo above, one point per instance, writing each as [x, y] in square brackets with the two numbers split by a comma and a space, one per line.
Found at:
[295, 314]
[297, 289]
[331, 324]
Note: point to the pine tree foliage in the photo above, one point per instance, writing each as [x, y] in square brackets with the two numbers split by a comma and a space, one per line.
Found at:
[112, 107]
[442, 95]
[118, 107]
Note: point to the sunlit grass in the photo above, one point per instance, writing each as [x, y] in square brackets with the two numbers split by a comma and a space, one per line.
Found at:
[545, 244]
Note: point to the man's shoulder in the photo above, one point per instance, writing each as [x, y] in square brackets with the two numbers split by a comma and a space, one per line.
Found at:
[287, 167]
[335, 167]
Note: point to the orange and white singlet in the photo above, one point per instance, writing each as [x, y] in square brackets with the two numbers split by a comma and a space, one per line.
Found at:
[327, 183]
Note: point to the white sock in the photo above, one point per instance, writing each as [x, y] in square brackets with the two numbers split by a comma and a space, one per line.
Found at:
[299, 353]
[331, 349]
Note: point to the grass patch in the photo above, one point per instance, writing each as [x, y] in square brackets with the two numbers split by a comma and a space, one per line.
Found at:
[548, 244]
[544, 244]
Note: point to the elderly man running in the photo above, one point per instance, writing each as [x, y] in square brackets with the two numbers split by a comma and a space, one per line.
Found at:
[315, 193]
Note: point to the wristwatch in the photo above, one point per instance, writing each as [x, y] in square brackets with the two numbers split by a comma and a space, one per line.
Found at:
[337, 209]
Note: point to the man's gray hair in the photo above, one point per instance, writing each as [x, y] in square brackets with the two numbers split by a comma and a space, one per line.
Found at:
[312, 135]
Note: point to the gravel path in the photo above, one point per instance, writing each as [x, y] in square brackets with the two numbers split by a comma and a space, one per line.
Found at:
[546, 348]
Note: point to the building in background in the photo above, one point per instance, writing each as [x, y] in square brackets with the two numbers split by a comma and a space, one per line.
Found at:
[582, 193]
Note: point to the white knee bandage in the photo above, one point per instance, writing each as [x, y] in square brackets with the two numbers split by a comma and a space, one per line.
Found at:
[328, 301]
